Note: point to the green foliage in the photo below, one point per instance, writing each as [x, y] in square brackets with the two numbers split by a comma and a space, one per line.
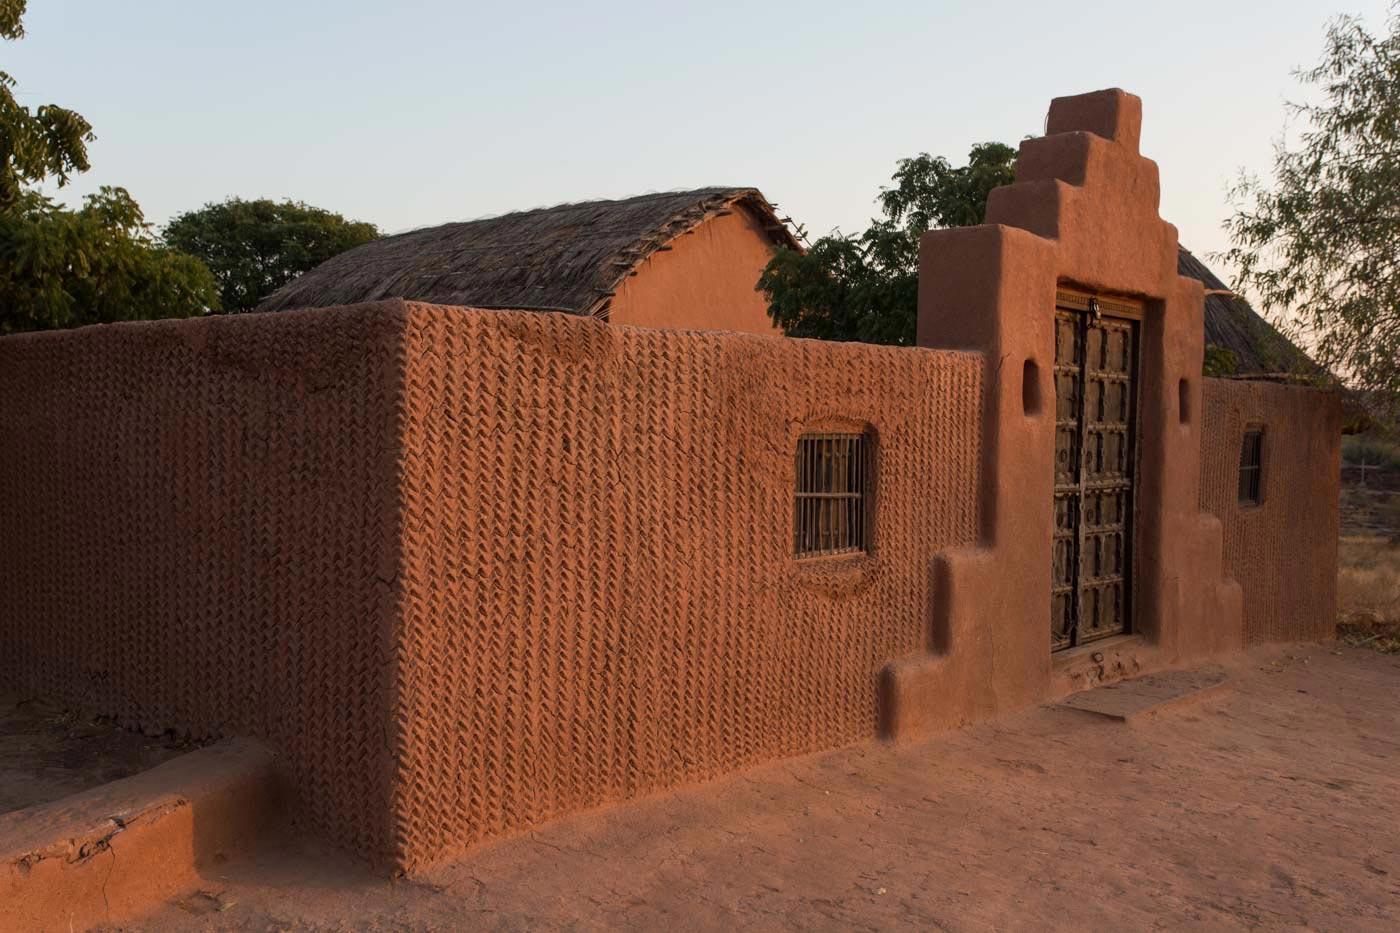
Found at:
[65, 268]
[11, 12]
[1371, 449]
[255, 247]
[846, 288]
[1219, 361]
[47, 142]
[866, 287]
[1319, 246]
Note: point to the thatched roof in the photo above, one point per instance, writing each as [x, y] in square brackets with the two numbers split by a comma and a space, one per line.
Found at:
[568, 258]
[1257, 349]
[573, 257]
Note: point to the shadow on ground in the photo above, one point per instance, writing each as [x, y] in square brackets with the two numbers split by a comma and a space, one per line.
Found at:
[1275, 806]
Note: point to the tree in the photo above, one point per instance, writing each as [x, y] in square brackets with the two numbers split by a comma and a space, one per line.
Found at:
[63, 268]
[866, 287]
[48, 142]
[1320, 246]
[101, 263]
[255, 247]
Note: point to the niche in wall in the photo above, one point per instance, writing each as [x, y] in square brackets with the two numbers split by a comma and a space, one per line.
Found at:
[1030, 388]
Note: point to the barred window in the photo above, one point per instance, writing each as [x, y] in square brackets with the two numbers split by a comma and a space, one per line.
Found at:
[1252, 467]
[833, 495]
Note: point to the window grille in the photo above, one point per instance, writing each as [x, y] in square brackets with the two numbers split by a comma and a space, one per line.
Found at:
[833, 496]
[1252, 467]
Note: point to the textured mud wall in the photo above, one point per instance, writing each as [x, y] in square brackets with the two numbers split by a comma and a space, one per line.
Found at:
[1283, 552]
[601, 597]
[198, 530]
[466, 570]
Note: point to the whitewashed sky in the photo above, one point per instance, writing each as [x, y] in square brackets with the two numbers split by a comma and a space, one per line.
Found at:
[418, 112]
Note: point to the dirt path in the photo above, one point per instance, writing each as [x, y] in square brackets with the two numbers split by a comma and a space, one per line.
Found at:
[1276, 807]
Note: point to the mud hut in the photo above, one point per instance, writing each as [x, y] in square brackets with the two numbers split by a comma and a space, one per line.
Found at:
[685, 259]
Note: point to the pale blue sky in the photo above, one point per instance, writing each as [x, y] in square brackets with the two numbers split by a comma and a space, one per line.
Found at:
[424, 111]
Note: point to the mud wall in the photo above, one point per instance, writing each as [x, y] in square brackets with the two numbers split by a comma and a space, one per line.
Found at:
[1083, 214]
[601, 593]
[466, 570]
[705, 279]
[199, 530]
[1282, 552]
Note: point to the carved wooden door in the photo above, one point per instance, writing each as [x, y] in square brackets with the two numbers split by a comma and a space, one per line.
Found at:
[1096, 363]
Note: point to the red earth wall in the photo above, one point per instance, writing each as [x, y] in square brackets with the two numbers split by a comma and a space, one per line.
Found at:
[601, 593]
[465, 570]
[706, 279]
[1083, 213]
[199, 529]
[1282, 552]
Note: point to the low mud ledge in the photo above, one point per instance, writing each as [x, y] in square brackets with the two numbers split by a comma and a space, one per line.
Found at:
[113, 852]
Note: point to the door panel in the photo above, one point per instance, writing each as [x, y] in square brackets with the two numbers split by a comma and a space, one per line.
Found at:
[1069, 359]
[1095, 375]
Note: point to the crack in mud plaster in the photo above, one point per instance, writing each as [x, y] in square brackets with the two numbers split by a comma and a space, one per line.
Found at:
[101, 844]
[1001, 361]
[106, 904]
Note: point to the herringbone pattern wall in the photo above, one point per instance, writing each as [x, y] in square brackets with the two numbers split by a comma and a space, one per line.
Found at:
[465, 570]
[1283, 552]
[199, 531]
[600, 594]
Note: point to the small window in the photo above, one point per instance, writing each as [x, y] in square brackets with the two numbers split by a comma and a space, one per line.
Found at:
[833, 495]
[1252, 467]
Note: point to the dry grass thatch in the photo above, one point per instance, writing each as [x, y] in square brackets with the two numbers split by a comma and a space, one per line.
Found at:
[1260, 351]
[566, 258]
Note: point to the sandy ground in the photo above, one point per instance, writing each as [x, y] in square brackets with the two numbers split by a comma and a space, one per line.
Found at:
[47, 752]
[1274, 807]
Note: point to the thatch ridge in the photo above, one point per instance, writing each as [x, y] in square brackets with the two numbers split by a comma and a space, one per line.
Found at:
[570, 257]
